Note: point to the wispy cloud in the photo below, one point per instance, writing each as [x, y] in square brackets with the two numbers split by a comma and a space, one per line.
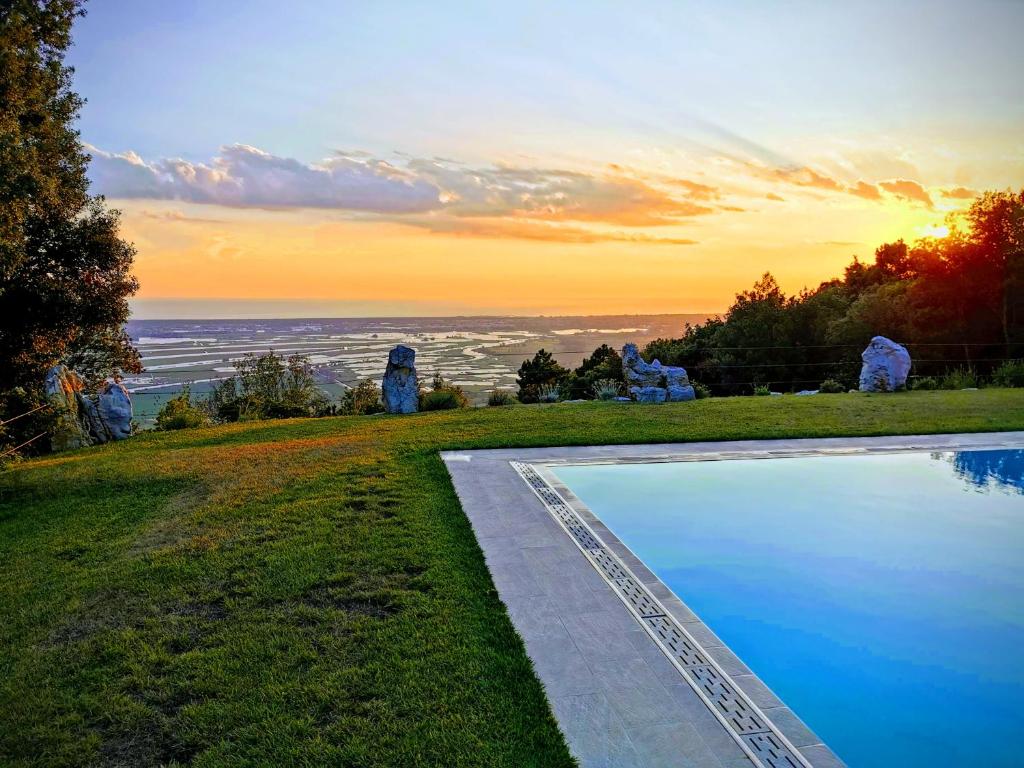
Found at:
[539, 231]
[906, 189]
[960, 193]
[243, 176]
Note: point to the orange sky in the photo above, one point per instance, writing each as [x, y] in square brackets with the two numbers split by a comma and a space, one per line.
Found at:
[530, 157]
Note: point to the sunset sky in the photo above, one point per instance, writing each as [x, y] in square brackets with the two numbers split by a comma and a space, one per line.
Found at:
[380, 158]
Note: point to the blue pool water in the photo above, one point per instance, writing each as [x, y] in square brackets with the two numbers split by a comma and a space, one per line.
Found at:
[881, 597]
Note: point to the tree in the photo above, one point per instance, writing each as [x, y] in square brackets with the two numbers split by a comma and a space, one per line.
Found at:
[65, 274]
[542, 371]
[604, 364]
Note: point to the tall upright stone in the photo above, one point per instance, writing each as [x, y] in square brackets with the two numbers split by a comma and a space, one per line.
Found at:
[400, 387]
[114, 410]
[72, 409]
[886, 366]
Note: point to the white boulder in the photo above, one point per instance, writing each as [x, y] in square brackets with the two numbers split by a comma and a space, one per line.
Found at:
[886, 366]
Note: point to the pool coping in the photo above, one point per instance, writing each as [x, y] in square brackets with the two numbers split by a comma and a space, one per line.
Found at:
[633, 676]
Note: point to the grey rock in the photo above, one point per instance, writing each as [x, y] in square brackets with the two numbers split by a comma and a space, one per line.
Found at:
[680, 394]
[886, 366]
[400, 386]
[64, 391]
[649, 394]
[643, 377]
[114, 410]
[83, 419]
[807, 392]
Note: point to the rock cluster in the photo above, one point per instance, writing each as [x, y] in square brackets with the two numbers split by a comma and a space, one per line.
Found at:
[83, 420]
[886, 366]
[400, 386]
[654, 382]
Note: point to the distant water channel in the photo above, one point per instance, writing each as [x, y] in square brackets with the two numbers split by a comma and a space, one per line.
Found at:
[478, 353]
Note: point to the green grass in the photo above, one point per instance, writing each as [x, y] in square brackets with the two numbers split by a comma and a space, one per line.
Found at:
[309, 592]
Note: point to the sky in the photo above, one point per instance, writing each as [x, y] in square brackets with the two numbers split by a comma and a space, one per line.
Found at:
[436, 158]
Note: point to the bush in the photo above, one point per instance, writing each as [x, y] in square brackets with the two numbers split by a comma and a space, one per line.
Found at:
[439, 386]
[181, 413]
[498, 397]
[831, 387]
[924, 383]
[959, 378]
[762, 390]
[606, 389]
[1009, 374]
[542, 372]
[547, 393]
[362, 400]
[701, 391]
[440, 400]
[268, 387]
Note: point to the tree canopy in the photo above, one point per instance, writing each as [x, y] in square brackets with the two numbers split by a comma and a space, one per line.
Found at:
[954, 301]
[65, 274]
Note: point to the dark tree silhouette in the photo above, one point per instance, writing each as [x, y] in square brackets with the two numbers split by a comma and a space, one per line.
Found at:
[64, 271]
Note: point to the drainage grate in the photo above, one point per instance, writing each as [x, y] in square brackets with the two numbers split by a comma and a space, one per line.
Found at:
[761, 741]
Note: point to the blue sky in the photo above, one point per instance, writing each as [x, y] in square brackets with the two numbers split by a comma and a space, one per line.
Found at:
[881, 93]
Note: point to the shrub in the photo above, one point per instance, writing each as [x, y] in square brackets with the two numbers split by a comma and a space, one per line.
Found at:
[701, 391]
[268, 387]
[547, 393]
[924, 383]
[498, 397]
[831, 387]
[543, 371]
[762, 390]
[439, 386]
[1009, 374]
[959, 378]
[362, 400]
[181, 413]
[606, 389]
[440, 400]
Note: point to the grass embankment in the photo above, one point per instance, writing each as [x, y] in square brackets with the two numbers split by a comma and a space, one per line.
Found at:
[309, 592]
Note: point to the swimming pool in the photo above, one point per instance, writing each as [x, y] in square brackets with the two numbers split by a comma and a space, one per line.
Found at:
[880, 596]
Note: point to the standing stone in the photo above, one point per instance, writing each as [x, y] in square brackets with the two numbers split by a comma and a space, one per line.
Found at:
[886, 366]
[114, 410]
[400, 386]
[672, 381]
[64, 390]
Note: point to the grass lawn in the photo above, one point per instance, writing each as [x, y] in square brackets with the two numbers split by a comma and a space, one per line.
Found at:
[309, 592]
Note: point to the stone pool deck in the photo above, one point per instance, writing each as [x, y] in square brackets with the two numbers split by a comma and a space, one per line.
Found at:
[633, 676]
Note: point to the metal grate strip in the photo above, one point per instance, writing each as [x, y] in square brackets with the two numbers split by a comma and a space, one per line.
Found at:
[758, 737]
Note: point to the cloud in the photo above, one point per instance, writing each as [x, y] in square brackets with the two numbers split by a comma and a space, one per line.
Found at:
[907, 190]
[244, 176]
[773, 196]
[865, 190]
[697, 191]
[177, 217]
[960, 193]
[533, 230]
